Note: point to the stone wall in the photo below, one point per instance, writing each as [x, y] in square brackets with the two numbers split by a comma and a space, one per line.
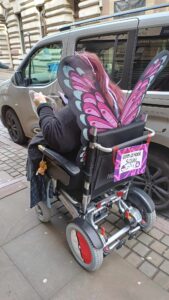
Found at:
[4, 42]
[4, 46]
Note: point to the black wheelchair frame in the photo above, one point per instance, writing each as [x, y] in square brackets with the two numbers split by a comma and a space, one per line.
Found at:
[87, 241]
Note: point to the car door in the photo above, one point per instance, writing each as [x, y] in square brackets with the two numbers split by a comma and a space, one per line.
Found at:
[38, 72]
[151, 40]
[114, 44]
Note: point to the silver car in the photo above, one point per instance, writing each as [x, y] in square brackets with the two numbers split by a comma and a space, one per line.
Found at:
[125, 47]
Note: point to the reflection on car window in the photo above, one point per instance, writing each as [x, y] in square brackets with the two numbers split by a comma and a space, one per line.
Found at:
[150, 42]
[44, 64]
[110, 49]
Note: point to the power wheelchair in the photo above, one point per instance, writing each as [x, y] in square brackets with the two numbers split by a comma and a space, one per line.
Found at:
[89, 192]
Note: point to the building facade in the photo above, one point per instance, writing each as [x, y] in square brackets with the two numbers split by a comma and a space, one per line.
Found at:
[24, 22]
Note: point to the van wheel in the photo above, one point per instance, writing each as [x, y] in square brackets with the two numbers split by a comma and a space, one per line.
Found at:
[155, 181]
[14, 127]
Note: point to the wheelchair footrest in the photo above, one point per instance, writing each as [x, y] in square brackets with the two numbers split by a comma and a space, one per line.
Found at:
[116, 241]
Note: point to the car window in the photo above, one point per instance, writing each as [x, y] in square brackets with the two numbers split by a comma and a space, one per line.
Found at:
[150, 42]
[42, 68]
[110, 49]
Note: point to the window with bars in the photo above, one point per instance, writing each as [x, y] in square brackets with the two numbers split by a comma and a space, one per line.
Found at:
[111, 51]
[21, 32]
[75, 8]
[150, 42]
[41, 10]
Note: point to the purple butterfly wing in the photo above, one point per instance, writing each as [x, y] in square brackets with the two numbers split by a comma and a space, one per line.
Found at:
[133, 103]
[78, 82]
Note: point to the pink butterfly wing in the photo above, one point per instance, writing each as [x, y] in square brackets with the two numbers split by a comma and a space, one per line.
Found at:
[107, 114]
[80, 82]
[131, 107]
[91, 109]
[99, 97]
[132, 104]
[98, 113]
[88, 97]
[99, 123]
[88, 82]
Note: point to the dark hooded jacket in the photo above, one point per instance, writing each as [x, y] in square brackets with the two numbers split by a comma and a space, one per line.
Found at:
[61, 133]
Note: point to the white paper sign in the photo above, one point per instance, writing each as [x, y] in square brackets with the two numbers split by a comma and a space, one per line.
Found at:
[131, 161]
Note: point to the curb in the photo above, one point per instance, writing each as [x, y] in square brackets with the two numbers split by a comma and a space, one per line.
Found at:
[13, 186]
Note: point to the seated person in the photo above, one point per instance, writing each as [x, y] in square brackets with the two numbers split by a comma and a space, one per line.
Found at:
[60, 130]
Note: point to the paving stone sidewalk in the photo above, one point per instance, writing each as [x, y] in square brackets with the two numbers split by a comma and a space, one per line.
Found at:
[12, 165]
[36, 263]
[12, 156]
[149, 253]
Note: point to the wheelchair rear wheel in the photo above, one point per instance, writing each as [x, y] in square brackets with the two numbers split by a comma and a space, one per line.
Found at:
[84, 252]
[142, 201]
[43, 212]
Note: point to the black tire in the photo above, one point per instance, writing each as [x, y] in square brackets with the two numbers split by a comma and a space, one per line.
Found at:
[43, 212]
[88, 257]
[155, 181]
[14, 127]
[135, 199]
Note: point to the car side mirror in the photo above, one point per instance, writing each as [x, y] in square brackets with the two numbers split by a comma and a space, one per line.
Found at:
[26, 82]
[17, 78]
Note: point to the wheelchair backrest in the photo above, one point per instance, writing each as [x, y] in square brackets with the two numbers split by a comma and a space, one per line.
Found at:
[102, 177]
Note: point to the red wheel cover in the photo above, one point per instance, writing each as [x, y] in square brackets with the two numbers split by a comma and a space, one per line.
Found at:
[84, 248]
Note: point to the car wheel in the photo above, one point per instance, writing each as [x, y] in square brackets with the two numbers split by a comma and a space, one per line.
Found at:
[14, 127]
[155, 181]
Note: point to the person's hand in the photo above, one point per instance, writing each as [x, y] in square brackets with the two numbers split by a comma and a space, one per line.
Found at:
[39, 98]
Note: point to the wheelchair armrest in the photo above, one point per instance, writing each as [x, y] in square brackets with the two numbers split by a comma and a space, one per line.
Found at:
[61, 161]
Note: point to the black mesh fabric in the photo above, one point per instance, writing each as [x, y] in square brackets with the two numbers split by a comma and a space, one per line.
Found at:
[102, 174]
[102, 178]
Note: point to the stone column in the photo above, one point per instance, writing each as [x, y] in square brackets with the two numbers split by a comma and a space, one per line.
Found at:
[30, 22]
[5, 56]
[156, 2]
[57, 13]
[90, 8]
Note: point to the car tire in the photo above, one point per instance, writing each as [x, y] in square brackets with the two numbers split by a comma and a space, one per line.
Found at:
[155, 181]
[14, 127]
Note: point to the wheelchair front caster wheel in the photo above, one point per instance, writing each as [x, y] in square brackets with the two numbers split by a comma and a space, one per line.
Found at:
[43, 212]
[84, 252]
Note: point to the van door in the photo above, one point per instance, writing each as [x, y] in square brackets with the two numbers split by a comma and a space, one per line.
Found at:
[113, 42]
[38, 72]
[151, 40]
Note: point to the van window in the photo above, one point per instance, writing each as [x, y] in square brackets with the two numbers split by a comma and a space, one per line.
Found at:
[110, 49]
[150, 42]
[42, 68]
